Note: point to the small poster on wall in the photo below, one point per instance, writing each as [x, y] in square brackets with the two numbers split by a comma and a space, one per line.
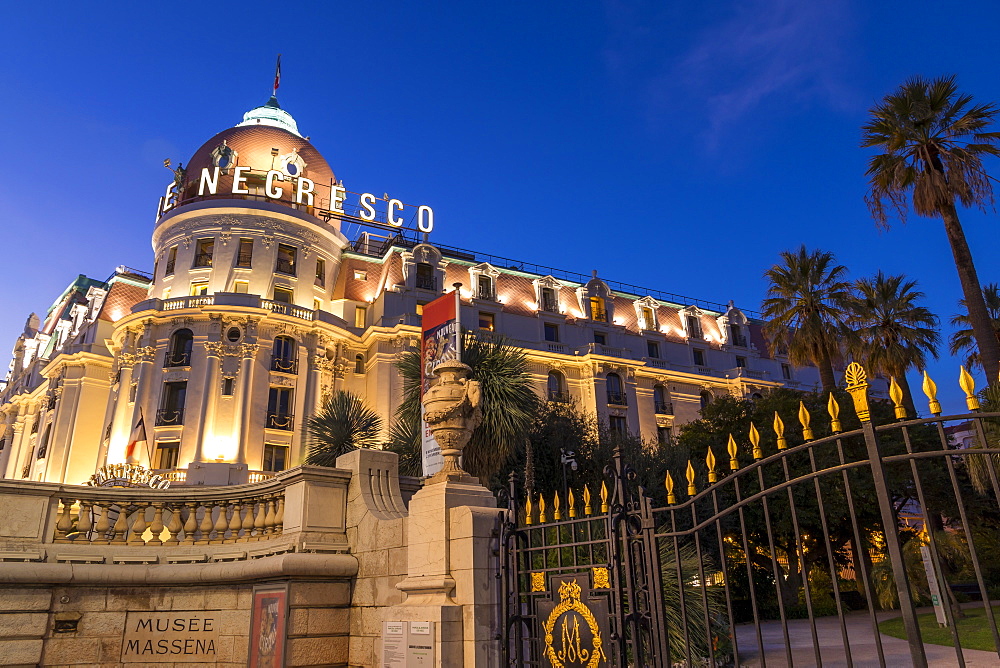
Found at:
[267, 627]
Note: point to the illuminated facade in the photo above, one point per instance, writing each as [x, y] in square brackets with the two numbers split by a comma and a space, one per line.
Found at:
[260, 305]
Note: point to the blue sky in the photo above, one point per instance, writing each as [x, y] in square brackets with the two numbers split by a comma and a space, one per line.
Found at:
[675, 145]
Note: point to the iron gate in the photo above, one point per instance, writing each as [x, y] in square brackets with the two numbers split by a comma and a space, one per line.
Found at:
[878, 518]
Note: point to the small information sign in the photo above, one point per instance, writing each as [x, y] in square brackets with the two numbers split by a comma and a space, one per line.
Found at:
[407, 644]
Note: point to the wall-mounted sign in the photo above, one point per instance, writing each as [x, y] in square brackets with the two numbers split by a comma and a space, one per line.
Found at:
[574, 623]
[179, 636]
[407, 645]
[267, 626]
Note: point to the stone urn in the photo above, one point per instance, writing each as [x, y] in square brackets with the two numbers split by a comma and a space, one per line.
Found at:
[452, 412]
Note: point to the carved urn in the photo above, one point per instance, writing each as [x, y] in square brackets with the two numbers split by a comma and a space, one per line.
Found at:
[452, 412]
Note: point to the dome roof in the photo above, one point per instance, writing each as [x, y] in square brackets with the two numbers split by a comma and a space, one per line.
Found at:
[266, 139]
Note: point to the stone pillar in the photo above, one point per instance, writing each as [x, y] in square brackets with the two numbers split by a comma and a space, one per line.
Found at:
[9, 458]
[210, 393]
[248, 352]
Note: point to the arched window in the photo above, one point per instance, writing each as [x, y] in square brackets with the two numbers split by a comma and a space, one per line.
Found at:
[283, 354]
[706, 398]
[557, 387]
[660, 403]
[616, 395]
[359, 364]
[179, 352]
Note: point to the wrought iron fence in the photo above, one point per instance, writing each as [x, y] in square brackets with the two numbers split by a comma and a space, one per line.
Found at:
[759, 544]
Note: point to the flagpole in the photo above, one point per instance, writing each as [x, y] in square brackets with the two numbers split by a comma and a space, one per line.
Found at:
[458, 317]
[277, 77]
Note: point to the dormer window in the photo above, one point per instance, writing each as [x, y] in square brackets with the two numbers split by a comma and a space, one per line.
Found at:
[425, 277]
[597, 310]
[484, 288]
[550, 302]
[693, 324]
[647, 319]
[737, 336]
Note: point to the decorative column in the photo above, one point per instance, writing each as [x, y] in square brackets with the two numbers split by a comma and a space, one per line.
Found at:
[9, 460]
[449, 529]
[210, 394]
[248, 353]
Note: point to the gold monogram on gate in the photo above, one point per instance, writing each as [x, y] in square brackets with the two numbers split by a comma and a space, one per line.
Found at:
[564, 621]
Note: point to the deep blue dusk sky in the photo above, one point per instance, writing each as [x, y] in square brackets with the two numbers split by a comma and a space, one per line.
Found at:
[675, 145]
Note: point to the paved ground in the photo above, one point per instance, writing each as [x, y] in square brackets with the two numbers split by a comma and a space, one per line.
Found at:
[860, 637]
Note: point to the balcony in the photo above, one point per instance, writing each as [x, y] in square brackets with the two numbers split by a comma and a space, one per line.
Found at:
[606, 350]
[617, 399]
[743, 372]
[203, 260]
[664, 408]
[426, 283]
[560, 348]
[284, 267]
[169, 417]
[283, 421]
[550, 306]
[487, 294]
[560, 397]
[177, 358]
[657, 363]
[284, 365]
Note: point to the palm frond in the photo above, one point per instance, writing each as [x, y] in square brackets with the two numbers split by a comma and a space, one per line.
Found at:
[344, 423]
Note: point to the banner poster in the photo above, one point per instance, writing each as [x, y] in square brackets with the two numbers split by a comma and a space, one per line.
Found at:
[440, 343]
[267, 626]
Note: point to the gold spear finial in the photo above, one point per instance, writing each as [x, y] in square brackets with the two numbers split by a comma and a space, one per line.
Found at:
[834, 408]
[733, 463]
[804, 418]
[572, 504]
[556, 513]
[587, 508]
[857, 385]
[690, 476]
[604, 498]
[541, 509]
[755, 440]
[896, 394]
[779, 429]
[930, 389]
[669, 483]
[710, 461]
[527, 510]
[968, 384]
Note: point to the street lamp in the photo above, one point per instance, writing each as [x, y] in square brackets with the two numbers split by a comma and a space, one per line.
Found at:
[568, 459]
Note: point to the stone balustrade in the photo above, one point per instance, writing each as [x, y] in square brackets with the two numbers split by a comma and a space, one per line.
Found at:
[302, 509]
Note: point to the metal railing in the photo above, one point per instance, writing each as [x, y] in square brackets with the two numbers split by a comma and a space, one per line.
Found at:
[276, 420]
[664, 408]
[426, 282]
[177, 358]
[560, 397]
[244, 260]
[617, 399]
[284, 267]
[166, 417]
[203, 260]
[284, 364]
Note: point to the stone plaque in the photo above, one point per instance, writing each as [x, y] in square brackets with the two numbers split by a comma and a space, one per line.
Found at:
[179, 636]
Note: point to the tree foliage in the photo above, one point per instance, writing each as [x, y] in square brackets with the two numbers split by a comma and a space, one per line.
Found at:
[343, 423]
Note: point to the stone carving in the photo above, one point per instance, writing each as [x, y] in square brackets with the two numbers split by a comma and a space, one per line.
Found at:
[224, 237]
[320, 362]
[452, 412]
[267, 240]
[282, 380]
[249, 350]
[145, 354]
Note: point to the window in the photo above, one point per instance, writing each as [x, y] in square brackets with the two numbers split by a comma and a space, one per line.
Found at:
[203, 252]
[741, 362]
[283, 354]
[653, 349]
[241, 287]
[166, 454]
[786, 372]
[244, 254]
[359, 363]
[320, 272]
[179, 352]
[233, 334]
[484, 285]
[616, 395]
[557, 387]
[171, 261]
[425, 277]
[618, 425]
[317, 304]
[660, 403]
[279, 409]
[648, 318]
[360, 316]
[663, 436]
[199, 288]
[737, 337]
[227, 387]
[360, 275]
[597, 310]
[283, 295]
[705, 399]
[486, 321]
[275, 457]
[694, 327]
[549, 301]
[551, 332]
[171, 411]
[286, 260]
[699, 357]
[601, 338]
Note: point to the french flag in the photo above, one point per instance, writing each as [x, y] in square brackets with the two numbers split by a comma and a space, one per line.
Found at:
[138, 436]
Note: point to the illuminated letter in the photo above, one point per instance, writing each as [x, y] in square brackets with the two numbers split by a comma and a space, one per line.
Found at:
[167, 197]
[390, 217]
[269, 188]
[210, 180]
[304, 187]
[425, 218]
[337, 198]
[239, 180]
[367, 207]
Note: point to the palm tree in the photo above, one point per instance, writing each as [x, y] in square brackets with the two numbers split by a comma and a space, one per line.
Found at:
[509, 405]
[805, 309]
[891, 332]
[342, 424]
[963, 340]
[934, 139]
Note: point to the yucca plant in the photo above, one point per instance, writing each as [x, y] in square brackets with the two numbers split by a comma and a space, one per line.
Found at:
[344, 423]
